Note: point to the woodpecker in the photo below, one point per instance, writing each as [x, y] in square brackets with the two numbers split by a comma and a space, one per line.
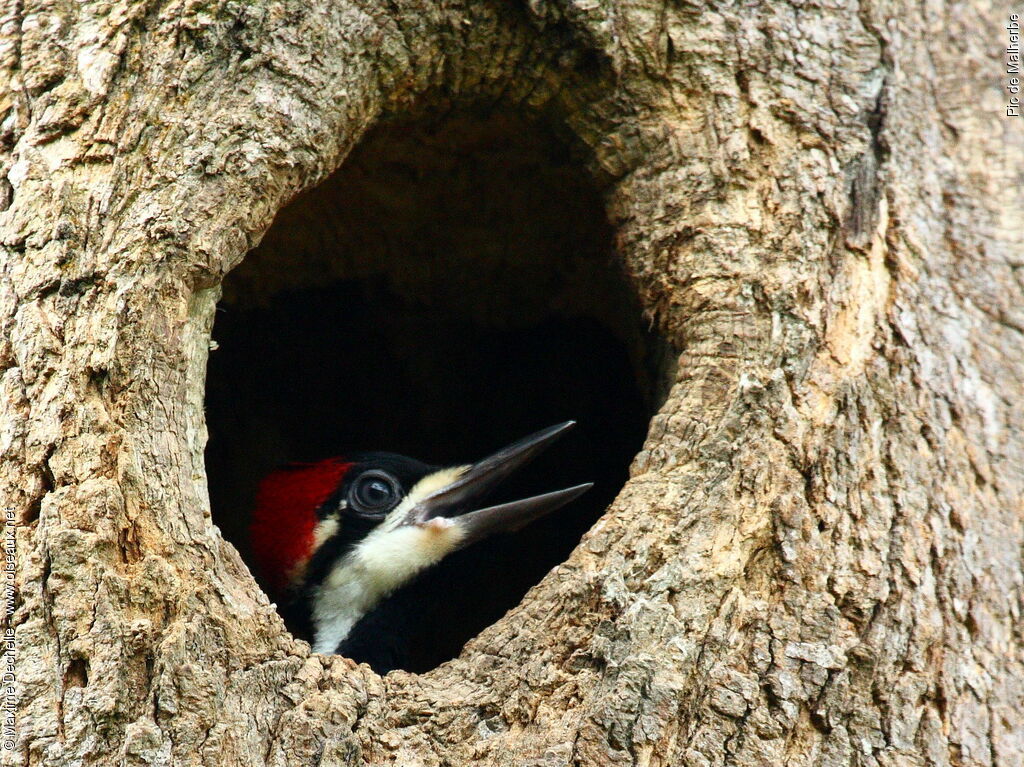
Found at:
[334, 540]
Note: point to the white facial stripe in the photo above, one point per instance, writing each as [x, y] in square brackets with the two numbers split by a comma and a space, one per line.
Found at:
[325, 529]
[389, 556]
[431, 483]
[425, 488]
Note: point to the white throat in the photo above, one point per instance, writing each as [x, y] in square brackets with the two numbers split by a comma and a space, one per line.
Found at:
[388, 557]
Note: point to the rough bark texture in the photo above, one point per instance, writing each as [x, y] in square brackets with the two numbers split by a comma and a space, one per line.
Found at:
[818, 557]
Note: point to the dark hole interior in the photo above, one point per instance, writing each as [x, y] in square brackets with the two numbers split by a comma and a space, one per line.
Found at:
[450, 289]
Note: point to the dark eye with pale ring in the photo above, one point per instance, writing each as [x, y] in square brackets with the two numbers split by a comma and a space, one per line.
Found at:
[374, 492]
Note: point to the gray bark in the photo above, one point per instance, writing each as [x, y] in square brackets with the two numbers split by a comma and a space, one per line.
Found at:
[817, 559]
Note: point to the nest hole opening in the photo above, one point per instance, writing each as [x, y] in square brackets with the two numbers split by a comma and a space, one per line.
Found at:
[451, 288]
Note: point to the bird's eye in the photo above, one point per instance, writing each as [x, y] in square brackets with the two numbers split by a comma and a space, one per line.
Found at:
[374, 492]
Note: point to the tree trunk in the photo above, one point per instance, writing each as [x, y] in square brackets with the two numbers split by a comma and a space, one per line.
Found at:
[817, 558]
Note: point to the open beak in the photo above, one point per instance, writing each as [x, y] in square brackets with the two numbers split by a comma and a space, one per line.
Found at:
[455, 501]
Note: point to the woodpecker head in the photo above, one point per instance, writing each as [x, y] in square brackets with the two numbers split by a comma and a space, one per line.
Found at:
[338, 536]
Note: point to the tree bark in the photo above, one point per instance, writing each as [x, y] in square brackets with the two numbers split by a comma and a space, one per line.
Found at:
[817, 559]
